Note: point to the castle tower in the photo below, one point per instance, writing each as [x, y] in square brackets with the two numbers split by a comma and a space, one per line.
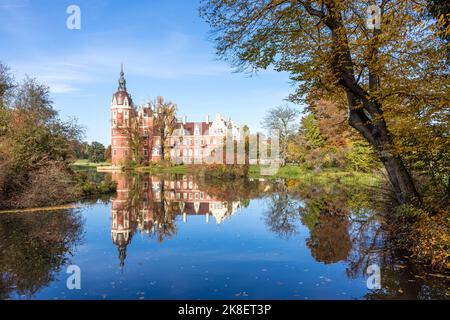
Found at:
[121, 111]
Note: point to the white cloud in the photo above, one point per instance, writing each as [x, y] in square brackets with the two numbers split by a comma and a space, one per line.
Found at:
[61, 88]
[12, 4]
[175, 58]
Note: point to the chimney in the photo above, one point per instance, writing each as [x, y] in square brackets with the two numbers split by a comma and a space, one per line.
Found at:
[207, 118]
[184, 119]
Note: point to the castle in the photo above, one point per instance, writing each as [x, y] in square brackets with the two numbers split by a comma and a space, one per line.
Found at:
[190, 142]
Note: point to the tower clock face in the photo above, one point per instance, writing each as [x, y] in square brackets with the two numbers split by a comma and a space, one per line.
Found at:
[120, 110]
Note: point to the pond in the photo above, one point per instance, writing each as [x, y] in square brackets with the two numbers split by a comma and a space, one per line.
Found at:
[178, 237]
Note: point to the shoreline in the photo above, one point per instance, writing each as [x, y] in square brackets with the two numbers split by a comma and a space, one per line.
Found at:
[38, 209]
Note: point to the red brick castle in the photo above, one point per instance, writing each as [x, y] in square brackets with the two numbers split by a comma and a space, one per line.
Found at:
[198, 139]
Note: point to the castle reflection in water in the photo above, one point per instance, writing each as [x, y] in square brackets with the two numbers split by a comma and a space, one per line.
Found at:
[150, 205]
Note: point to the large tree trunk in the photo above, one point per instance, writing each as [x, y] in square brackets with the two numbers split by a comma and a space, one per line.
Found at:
[379, 137]
[401, 180]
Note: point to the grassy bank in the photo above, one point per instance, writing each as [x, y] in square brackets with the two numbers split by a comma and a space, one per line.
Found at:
[41, 209]
[322, 176]
[84, 163]
[158, 169]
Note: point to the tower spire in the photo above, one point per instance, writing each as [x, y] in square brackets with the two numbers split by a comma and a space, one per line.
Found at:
[122, 81]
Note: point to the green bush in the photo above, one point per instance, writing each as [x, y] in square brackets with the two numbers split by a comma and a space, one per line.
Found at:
[361, 157]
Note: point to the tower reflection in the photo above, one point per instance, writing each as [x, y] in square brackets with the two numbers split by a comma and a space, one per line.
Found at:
[150, 205]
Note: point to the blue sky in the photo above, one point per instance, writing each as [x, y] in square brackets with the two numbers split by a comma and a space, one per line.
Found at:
[165, 49]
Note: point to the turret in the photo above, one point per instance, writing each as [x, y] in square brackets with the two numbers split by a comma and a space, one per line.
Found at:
[121, 112]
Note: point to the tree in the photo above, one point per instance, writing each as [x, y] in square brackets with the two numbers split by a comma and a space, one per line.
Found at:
[96, 152]
[135, 138]
[284, 120]
[327, 44]
[36, 147]
[310, 131]
[331, 120]
[165, 122]
[35, 135]
[80, 149]
[108, 153]
[440, 10]
[6, 85]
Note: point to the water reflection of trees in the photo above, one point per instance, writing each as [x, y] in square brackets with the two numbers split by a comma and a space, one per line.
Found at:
[34, 246]
[165, 213]
[344, 226]
[283, 211]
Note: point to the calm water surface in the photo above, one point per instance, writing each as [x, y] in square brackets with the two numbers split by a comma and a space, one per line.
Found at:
[177, 238]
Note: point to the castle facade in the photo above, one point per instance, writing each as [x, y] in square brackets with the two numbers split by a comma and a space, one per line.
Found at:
[190, 142]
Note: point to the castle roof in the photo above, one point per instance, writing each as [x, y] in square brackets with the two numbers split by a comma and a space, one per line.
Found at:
[190, 127]
[121, 95]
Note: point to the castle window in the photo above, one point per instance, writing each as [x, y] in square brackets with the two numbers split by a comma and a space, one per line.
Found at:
[145, 152]
[145, 133]
[114, 152]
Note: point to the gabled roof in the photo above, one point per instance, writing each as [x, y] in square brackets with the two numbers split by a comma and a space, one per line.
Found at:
[190, 127]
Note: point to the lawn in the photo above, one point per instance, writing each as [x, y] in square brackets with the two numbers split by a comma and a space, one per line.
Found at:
[85, 163]
[156, 169]
[324, 175]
